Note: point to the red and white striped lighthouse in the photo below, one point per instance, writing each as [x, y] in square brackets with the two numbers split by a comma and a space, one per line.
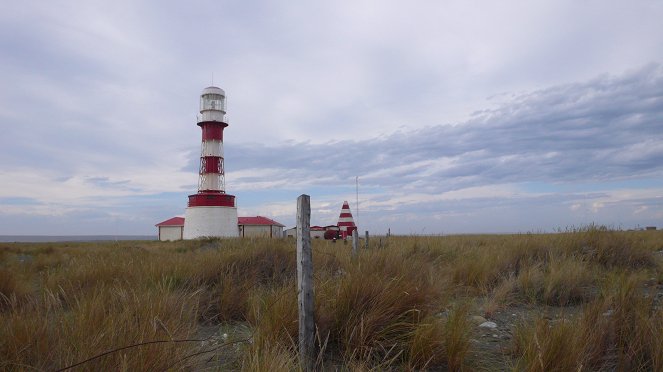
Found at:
[211, 211]
[346, 223]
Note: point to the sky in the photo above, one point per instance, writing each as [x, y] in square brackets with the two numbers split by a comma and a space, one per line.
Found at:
[437, 117]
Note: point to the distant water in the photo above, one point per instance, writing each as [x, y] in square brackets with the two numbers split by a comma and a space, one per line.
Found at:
[71, 238]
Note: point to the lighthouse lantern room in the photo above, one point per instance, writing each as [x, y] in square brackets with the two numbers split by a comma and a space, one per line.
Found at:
[211, 212]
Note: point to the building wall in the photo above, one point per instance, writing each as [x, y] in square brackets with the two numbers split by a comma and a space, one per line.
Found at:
[318, 234]
[255, 231]
[170, 232]
[292, 233]
[277, 231]
[267, 231]
[202, 222]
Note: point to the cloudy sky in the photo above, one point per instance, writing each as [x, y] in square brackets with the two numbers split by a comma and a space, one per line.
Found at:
[457, 116]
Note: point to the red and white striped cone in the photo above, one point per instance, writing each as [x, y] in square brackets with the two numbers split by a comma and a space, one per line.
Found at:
[346, 223]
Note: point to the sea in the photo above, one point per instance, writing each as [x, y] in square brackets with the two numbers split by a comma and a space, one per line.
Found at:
[71, 238]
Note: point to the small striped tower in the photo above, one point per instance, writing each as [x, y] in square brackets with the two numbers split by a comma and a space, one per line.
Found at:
[345, 221]
[211, 212]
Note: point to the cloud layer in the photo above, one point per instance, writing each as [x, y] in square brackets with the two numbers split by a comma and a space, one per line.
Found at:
[456, 117]
[552, 146]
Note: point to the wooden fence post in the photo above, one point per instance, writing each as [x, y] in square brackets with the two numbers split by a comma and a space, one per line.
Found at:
[305, 284]
[366, 239]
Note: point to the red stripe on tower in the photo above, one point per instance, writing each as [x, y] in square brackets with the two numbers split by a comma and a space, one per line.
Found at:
[210, 164]
[212, 130]
[346, 223]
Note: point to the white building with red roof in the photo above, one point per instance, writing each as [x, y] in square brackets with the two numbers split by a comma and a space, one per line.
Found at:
[171, 229]
[258, 226]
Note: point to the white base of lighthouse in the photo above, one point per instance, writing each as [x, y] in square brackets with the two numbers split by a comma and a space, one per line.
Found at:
[201, 222]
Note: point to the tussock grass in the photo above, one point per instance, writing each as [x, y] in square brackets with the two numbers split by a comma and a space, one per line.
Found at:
[13, 288]
[551, 347]
[90, 325]
[620, 330]
[426, 347]
[274, 316]
[402, 304]
[270, 357]
[441, 343]
[612, 249]
[372, 310]
[567, 282]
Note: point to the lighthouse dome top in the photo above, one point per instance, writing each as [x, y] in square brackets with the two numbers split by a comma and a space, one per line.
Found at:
[213, 90]
[213, 104]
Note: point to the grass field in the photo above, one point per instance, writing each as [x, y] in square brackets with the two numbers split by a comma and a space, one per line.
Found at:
[585, 299]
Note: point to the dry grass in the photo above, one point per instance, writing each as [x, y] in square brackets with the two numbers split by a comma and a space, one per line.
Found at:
[375, 305]
[402, 304]
[270, 357]
[37, 333]
[620, 329]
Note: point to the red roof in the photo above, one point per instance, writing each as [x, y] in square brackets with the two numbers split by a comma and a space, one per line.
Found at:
[175, 221]
[258, 220]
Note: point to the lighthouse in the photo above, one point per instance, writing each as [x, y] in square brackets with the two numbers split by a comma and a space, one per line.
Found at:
[211, 212]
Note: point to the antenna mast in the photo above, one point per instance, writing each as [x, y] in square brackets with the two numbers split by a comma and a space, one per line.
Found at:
[357, 191]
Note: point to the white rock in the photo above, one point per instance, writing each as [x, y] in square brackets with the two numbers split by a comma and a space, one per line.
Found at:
[491, 325]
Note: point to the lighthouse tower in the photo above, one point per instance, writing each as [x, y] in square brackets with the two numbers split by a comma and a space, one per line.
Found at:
[346, 223]
[211, 212]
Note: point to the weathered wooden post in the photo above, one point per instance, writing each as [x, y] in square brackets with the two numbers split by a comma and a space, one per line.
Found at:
[305, 283]
[366, 239]
[355, 243]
